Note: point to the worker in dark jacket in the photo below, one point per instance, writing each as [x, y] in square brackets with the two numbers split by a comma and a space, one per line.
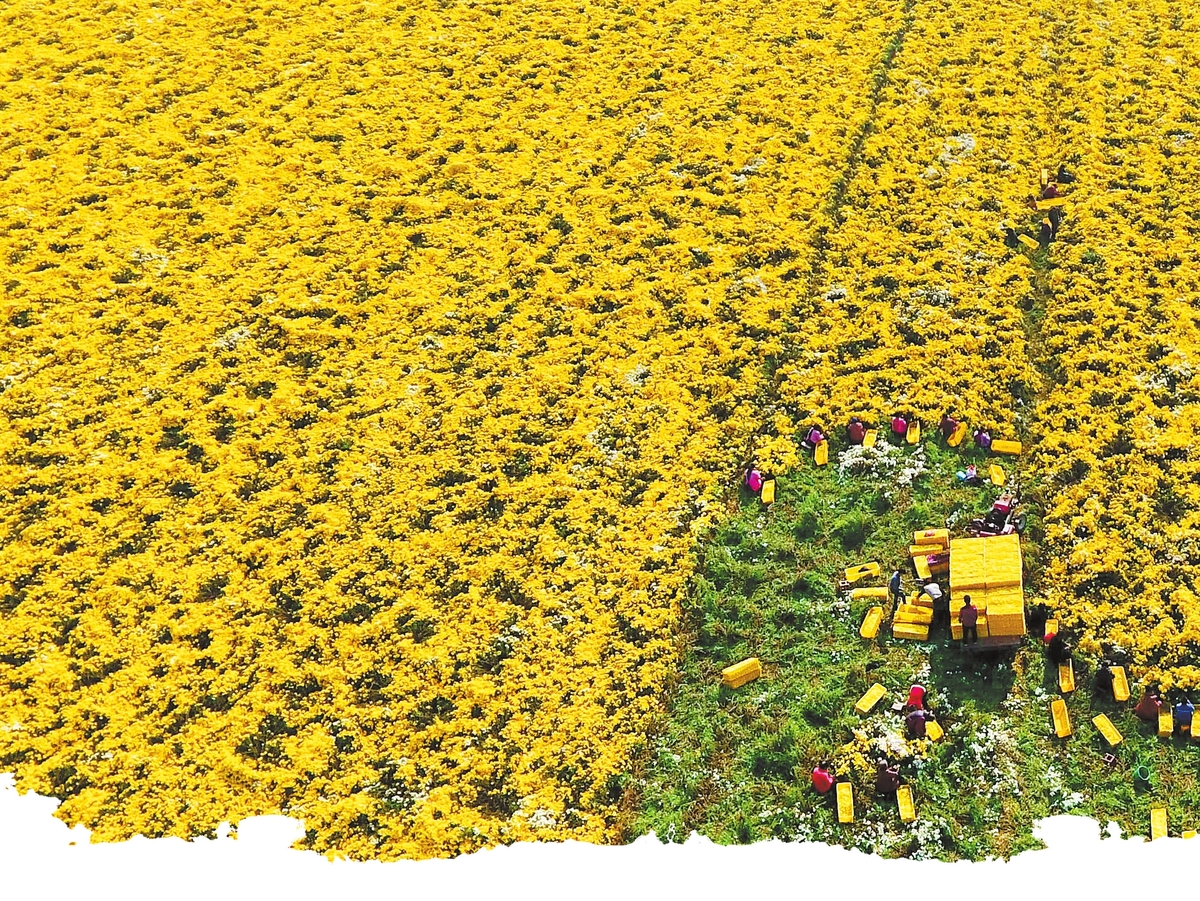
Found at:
[887, 778]
[914, 723]
[948, 426]
[1058, 649]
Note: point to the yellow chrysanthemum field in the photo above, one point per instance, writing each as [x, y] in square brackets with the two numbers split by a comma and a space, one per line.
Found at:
[369, 374]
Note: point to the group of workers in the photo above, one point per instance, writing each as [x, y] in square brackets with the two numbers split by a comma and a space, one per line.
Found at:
[1053, 219]
[1152, 703]
[968, 616]
[916, 715]
[856, 434]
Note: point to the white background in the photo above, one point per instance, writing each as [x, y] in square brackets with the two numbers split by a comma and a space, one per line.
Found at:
[41, 858]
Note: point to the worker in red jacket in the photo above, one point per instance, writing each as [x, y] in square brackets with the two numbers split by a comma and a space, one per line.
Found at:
[1148, 707]
[856, 431]
[822, 778]
[968, 618]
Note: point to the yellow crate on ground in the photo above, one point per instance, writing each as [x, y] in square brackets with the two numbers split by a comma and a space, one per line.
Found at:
[870, 699]
[940, 537]
[1108, 730]
[870, 624]
[913, 435]
[1188, 833]
[996, 475]
[959, 434]
[915, 613]
[870, 437]
[1166, 722]
[821, 455]
[739, 674]
[921, 565]
[768, 491]
[933, 731]
[904, 802]
[1158, 823]
[1062, 720]
[1003, 446]
[862, 571]
[879, 592]
[1051, 202]
[923, 601]
[910, 631]
[1120, 684]
[845, 802]
[1066, 677]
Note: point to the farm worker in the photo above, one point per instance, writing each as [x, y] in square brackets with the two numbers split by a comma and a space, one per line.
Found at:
[1056, 216]
[1104, 677]
[754, 480]
[914, 723]
[1050, 191]
[947, 426]
[1183, 716]
[982, 439]
[896, 586]
[1058, 648]
[968, 618]
[916, 698]
[856, 431]
[822, 778]
[1064, 177]
[1046, 232]
[970, 476]
[1147, 708]
[815, 436]
[941, 605]
[887, 778]
[899, 425]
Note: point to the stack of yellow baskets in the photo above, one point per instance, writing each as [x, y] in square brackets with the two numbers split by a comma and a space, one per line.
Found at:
[912, 619]
[989, 570]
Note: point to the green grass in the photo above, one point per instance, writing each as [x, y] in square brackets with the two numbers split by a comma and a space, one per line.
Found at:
[733, 765]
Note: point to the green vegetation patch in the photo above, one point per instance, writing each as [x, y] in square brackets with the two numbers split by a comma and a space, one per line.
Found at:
[734, 765]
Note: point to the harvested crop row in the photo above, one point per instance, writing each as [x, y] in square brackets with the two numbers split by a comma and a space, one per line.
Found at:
[1122, 329]
[920, 307]
[363, 372]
